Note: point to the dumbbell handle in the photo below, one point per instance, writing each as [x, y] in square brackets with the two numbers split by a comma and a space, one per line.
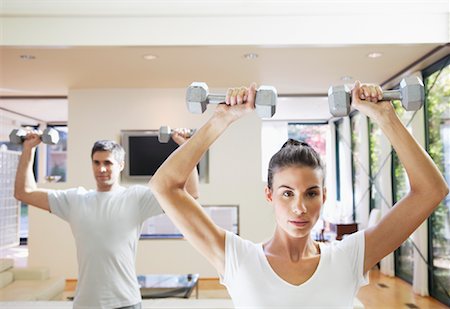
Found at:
[390, 95]
[190, 132]
[214, 98]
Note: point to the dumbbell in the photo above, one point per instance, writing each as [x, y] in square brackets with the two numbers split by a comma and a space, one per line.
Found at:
[50, 136]
[165, 132]
[198, 97]
[411, 93]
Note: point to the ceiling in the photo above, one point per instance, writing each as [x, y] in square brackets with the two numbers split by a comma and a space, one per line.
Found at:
[293, 70]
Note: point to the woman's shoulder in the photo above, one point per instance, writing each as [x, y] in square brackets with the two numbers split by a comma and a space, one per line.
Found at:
[238, 244]
[350, 245]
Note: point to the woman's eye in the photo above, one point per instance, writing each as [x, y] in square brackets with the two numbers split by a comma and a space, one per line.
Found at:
[312, 194]
[288, 193]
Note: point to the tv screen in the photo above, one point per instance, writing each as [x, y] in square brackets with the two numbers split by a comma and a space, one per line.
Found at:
[144, 153]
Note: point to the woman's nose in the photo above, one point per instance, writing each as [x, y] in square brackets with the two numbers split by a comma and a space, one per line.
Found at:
[299, 208]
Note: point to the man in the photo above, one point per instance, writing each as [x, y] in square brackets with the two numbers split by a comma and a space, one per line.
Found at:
[106, 223]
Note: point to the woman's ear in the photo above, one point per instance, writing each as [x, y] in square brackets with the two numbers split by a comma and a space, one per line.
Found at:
[324, 197]
[268, 194]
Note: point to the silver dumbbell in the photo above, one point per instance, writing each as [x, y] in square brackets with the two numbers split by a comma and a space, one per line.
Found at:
[198, 97]
[50, 136]
[165, 132]
[411, 93]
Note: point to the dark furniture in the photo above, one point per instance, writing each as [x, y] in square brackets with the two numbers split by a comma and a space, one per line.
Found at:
[163, 286]
[343, 228]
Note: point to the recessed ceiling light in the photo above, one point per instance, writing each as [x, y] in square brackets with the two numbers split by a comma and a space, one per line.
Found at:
[250, 56]
[149, 57]
[27, 57]
[374, 55]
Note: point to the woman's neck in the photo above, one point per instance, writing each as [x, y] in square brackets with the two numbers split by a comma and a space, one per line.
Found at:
[295, 249]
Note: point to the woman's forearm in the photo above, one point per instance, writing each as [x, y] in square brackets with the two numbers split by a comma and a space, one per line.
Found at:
[192, 184]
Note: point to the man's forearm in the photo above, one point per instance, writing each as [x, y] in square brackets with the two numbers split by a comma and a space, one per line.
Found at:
[25, 181]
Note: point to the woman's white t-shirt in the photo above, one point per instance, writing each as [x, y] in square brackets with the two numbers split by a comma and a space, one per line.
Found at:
[252, 283]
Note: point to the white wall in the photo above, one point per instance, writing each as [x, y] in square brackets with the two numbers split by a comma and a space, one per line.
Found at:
[235, 176]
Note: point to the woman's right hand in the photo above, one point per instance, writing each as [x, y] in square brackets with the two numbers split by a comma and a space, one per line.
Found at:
[239, 102]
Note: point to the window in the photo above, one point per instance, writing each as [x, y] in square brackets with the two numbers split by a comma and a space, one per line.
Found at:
[339, 127]
[437, 103]
[10, 207]
[312, 133]
[57, 157]
[375, 164]
[360, 168]
[404, 255]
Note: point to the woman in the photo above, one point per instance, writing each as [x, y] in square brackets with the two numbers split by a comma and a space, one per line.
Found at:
[291, 270]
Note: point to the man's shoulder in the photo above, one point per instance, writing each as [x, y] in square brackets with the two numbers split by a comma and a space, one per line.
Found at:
[137, 189]
[71, 191]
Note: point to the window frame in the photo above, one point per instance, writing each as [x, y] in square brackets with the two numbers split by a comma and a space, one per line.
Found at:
[434, 292]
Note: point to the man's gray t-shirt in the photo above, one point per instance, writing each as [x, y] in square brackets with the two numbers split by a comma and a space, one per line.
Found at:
[106, 227]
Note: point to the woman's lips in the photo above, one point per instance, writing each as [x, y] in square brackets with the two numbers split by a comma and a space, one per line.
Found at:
[299, 223]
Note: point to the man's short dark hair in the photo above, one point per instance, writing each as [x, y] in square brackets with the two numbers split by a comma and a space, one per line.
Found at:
[106, 145]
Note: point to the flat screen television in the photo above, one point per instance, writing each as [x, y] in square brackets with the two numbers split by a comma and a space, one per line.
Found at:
[144, 153]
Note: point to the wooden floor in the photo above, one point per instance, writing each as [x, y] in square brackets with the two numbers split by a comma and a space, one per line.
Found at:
[392, 292]
[382, 292]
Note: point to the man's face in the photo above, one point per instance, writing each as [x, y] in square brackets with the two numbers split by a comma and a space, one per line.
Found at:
[106, 169]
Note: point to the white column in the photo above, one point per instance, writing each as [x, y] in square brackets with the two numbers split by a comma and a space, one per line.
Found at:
[362, 192]
[420, 236]
[329, 208]
[345, 165]
[384, 185]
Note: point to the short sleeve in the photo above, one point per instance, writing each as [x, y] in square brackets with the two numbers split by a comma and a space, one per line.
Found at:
[236, 250]
[354, 246]
[61, 201]
[148, 205]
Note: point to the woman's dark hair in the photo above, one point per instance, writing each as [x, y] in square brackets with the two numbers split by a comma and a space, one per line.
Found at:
[106, 145]
[294, 153]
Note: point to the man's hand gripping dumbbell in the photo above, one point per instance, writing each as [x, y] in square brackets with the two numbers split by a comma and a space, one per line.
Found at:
[50, 136]
[165, 133]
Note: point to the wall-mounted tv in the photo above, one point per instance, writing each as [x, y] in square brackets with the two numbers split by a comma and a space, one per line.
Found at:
[145, 154]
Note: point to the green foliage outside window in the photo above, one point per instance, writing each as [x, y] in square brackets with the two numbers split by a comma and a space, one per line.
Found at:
[437, 105]
[438, 112]
[404, 255]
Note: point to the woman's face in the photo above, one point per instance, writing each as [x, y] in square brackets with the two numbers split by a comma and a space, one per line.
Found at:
[297, 195]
